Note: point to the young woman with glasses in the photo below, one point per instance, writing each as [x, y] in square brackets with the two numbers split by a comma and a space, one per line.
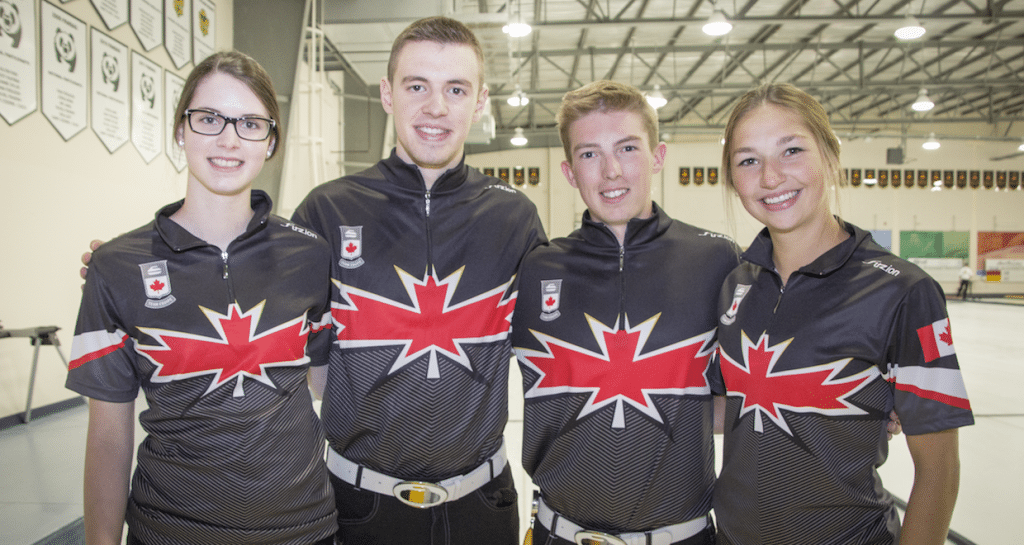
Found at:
[216, 310]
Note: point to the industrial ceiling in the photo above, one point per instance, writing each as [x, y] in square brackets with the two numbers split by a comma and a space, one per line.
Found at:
[970, 60]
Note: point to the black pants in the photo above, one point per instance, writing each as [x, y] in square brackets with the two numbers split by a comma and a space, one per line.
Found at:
[488, 516]
[964, 286]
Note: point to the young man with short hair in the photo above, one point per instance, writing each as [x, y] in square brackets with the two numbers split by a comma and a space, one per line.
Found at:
[614, 330]
[426, 253]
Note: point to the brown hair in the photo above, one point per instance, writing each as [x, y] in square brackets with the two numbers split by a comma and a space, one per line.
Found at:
[442, 30]
[797, 101]
[604, 96]
[243, 68]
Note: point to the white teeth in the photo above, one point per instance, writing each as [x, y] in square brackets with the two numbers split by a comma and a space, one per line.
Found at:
[432, 130]
[779, 198]
[225, 162]
[614, 194]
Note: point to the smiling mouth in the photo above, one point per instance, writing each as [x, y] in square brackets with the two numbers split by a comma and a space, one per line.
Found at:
[432, 132]
[225, 163]
[614, 194]
[777, 199]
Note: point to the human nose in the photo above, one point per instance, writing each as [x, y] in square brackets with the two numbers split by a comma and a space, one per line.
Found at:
[436, 104]
[229, 138]
[771, 175]
[612, 168]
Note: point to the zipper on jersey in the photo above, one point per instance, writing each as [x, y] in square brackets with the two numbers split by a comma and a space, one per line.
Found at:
[622, 286]
[226, 276]
[426, 222]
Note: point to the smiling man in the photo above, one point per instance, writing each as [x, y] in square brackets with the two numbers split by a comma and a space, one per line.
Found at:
[614, 329]
[426, 251]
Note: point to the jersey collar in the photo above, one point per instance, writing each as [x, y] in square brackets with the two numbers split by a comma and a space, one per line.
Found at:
[760, 252]
[180, 240]
[638, 231]
[408, 176]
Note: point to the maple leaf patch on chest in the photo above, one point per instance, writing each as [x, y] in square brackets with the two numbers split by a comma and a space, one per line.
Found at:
[237, 353]
[430, 325]
[764, 391]
[621, 372]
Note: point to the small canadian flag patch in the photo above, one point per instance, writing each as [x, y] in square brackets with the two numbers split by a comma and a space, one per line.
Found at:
[936, 340]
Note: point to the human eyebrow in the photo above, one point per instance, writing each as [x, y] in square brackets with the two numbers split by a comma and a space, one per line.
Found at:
[788, 139]
[583, 145]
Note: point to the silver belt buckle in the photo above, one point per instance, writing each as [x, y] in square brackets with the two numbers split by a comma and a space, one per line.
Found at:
[586, 537]
[419, 494]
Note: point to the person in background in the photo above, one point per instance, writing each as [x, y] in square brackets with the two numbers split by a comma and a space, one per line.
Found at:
[216, 310]
[822, 332]
[966, 275]
[614, 330]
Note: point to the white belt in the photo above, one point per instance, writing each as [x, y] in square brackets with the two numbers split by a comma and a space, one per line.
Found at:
[570, 531]
[417, 493]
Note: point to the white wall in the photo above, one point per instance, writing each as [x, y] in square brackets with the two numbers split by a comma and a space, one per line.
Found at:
[56, 197]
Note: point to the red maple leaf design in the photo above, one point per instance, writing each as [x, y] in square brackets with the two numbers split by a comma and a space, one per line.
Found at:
[620, 372]
[808, 390]
[946, 335]
[351, 247]
[431, 325]
[550, 301]
[238, 353]
[157, 285]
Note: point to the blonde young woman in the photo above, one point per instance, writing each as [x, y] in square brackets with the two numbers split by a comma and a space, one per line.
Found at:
[216, 310]
[822, 332]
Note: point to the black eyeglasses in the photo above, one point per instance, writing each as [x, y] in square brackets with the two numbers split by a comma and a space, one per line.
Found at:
[212, 123]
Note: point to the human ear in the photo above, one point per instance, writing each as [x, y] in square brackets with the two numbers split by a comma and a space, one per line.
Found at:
[569, 174]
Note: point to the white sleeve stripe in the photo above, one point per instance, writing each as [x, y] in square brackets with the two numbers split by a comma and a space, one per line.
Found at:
[95, 342]
[944, 381]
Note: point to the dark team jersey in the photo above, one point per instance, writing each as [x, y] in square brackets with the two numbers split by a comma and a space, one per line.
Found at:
[812, 371]
[417, 385]
[220, 343]
[614, 344]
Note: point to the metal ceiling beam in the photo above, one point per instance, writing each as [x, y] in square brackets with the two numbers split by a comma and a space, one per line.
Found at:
[1013, 42]
[790, 20]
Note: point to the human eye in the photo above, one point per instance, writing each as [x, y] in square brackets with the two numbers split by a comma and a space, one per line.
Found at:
[587, 155]
[254, 123]
[746, 161]
[207, 118]
[629, 147]
[793, 150]
[416, 87]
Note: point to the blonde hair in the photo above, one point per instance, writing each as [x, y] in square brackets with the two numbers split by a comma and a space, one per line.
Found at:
[815, 118]
[797, 101]
[604, 96]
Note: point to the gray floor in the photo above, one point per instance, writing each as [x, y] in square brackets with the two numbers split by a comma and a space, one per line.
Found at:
[41, 478]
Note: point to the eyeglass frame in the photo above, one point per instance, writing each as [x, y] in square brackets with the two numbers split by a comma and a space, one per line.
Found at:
[229, 121]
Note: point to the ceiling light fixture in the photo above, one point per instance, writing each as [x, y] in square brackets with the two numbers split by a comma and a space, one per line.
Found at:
[717, 24]
[518, 98]
[910, 30]
[656, 98]
[923, 103]
[1021, 146]
[932, 143]
[517, 29]
[518, 139]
